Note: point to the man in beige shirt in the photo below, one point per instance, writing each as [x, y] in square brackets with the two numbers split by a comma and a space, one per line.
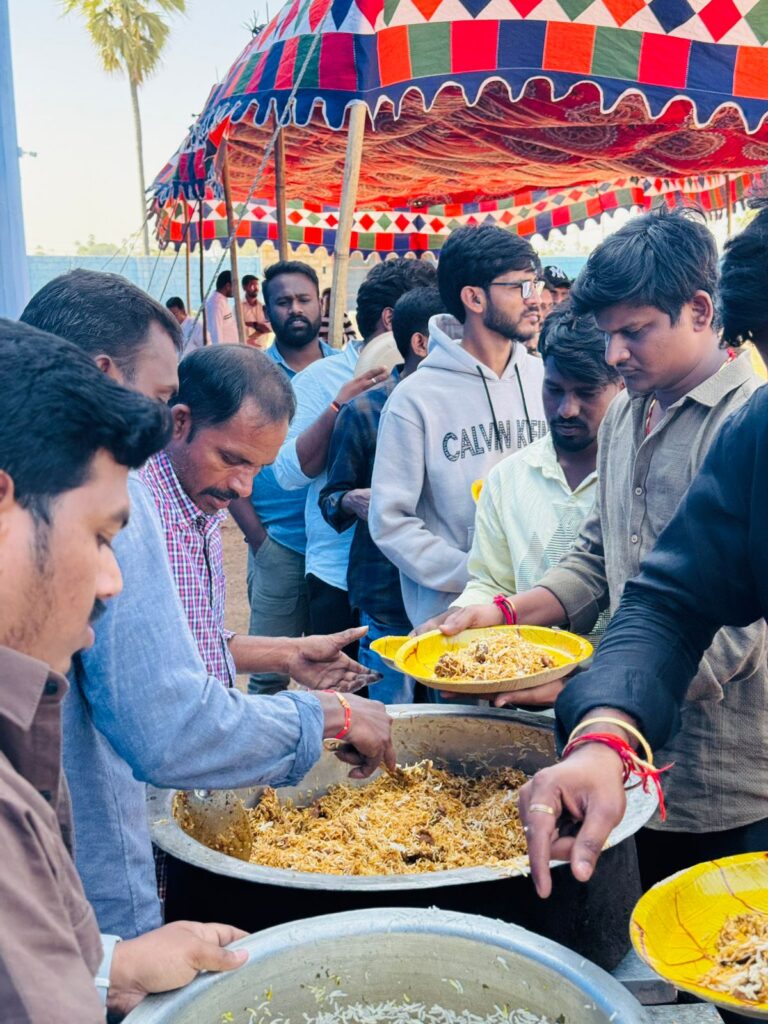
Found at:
[68, 436]
[651, 287]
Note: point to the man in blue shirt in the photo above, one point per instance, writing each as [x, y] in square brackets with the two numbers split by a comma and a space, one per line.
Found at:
[272, 519]
[321, 391]
[142, 708]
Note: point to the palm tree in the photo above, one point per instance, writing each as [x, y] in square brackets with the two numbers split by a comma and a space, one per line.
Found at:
[129, 36]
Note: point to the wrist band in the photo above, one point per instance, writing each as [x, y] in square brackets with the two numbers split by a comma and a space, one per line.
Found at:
[632, 764]
[335, 406]
[347, 713]
[507, 609]
[605, 720]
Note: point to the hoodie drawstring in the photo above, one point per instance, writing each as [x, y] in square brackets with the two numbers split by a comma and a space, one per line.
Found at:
[493, 411]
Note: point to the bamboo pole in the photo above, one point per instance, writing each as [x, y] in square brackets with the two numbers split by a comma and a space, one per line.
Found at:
[728, 206]
[187, 261]
[202, 274]
[355, 137]
[280, 196]
[231, 231]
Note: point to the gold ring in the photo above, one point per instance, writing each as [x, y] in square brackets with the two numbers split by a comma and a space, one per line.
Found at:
[544, 808]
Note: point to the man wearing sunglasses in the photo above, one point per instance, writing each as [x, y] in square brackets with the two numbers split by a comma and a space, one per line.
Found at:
[475, 399]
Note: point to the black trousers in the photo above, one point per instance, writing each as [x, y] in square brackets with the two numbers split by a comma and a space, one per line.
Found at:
[329, 610]
[661, 854]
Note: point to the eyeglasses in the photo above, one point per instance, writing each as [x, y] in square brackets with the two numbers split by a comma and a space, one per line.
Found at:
[527, 288]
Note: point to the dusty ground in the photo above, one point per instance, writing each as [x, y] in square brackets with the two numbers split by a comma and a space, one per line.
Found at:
[235, 564]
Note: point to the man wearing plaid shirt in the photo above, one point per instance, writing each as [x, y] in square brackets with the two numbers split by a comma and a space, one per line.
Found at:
[231, 415]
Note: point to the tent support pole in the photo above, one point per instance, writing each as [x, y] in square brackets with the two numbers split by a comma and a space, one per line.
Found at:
[280, 195]
[355, 136]
[728, 205]
[231, 231]
[201, 221]
[187, 262]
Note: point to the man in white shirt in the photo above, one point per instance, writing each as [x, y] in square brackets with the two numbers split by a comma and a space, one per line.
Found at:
[222, 326]
[191, 329]
[257, 328]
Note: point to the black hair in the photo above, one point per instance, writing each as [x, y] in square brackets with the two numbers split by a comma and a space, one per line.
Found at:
[59, 410]
[411, 313]
[658, 259]
[247, 279]
[577, 346]
[744, 279]
[175, 302]
[384, 285]
[224, 278]
[288, 267]
[100, 313]
[476, 256]
[215, 382]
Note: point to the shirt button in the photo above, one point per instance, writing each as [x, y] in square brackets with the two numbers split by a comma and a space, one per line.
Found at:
[638, 490]
[634, 538]
[51, 688]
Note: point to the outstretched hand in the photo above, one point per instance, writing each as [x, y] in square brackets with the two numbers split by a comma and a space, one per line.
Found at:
[586, 789]
[319, 663]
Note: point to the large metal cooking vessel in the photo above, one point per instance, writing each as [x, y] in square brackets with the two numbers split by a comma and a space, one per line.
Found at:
[456, 961]
[593, 919]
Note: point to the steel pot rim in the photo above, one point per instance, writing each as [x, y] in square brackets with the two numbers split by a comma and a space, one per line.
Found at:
[170, 837]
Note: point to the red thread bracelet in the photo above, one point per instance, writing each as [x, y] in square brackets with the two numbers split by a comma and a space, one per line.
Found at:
[336, 407]
[507, 609]
[347, 713]
[632, 763]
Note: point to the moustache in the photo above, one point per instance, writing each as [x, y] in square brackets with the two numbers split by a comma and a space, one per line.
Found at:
[221, 495]
[554, 424]
[99, 607]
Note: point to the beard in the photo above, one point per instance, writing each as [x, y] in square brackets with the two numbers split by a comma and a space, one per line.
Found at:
[519, 329]
[297, 331]
[570, 442]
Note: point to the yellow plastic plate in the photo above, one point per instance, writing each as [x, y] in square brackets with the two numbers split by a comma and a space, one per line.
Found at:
[675, 926]
[387, 647]
[418, 657]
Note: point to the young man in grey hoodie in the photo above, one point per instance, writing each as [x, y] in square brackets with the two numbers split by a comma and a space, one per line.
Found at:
[475, 399]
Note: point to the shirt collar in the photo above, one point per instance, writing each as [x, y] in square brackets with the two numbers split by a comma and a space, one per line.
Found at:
[23, 681]
[714, 389]
[276, 355]
[185, 511]
[541, 455]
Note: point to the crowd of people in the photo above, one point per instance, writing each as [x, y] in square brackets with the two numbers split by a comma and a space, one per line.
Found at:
[613, 427]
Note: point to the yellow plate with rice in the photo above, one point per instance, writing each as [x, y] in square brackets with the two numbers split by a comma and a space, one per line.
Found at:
[705, 930]
[493, 660]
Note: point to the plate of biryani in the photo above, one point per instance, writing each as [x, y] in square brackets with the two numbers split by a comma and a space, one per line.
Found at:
[493, 660]
[706, 931]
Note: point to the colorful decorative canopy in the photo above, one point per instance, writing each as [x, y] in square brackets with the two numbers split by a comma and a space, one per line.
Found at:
[427, 228]
[471, 100]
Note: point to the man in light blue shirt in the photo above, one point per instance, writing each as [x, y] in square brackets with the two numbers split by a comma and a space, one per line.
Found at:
[272, 519]
[320, 391]
[142, 707]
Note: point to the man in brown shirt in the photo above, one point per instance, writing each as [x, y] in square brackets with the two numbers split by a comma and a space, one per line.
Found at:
[67, 438]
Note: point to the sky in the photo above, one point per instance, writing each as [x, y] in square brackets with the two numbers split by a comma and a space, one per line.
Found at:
[84, 179]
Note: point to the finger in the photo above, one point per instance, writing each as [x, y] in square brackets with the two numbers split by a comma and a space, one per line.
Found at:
[350, 755]
[224, 934]
[365, 770]
[541, 831]
[454, 624]
[599, 822]
[348, 636]
[388, 757]
[208, 956]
